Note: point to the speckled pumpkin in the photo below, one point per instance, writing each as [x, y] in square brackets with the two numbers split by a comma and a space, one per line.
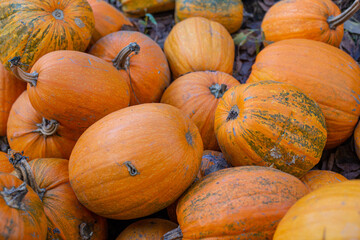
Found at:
[138, 8]
[315, 179]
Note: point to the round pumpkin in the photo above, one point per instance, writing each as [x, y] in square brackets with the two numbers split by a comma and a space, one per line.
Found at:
[138, 8]
[307, 64]
[147, 229]
[32, 28]
[315, 179]
[330, 212]
[197, 95]
[139, 60]
[199, 44]
[270, 124]
[22, 214]
[236, 203]
[123, 168]
[227, 12]
[357, 140]
[5, 165]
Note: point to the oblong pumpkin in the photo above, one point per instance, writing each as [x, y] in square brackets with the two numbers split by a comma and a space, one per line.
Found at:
[5, 165]
[315, 179]
[138, 8]
[199, 44]
[30, 29]
[306, 64]
[125, 159]
[197, 95]
[147, 67]
[270, 124]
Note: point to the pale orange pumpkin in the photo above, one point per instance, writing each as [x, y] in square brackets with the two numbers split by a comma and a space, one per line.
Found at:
[315, 179]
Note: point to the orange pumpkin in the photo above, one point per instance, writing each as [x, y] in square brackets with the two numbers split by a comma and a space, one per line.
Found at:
[357, 140]
[197, 95]
[199, 44]
[306, 64]
[138, 8]
[5, 165]
[139, 60]
[125, 165]
[236, 203]
[315, 179]
[32, 28]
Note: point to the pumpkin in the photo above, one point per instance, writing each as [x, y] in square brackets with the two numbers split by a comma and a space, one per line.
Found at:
[236, 203]
[22, 214]
[197, 95]
[139, 60]
[330, 212]
[5, 165]
[357, 140]
[318, 20]
[10, 89]
[315, 179]
[138, 8]
[229, 12]
[30, 29]
[123, 168]
[270, 124]
[74, 88]
[307, 64]
[147, 229]
[199, 44]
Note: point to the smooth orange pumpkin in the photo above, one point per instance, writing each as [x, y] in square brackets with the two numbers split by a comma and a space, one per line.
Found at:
[30, 29]
[315, 179]
[199, 44]
[135, 161]
[197, 95]
[307, 64]
[270, 124]
[357, 140]
[237, 203]
[139, 60]
[138, 8]
[5, 165]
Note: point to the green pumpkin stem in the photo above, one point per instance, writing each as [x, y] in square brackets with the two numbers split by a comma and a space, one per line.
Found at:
[30, 78]
[13, 197]
[47, 127]
[344, 16]
[218, 90]
[173, 234]
[122, 60]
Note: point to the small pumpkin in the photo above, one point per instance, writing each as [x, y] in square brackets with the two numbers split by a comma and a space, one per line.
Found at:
[199, 44]
[197, 95]
[315, 179]
[357, 140]
[5, 165]
[138, 8]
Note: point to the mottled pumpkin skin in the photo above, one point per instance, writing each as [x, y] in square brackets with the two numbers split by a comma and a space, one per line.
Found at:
[156, 139]
[331, 212]
[306, 64]
[147, 229]
[227, 12]
[315, 179]
[5, 165]
[211, 161]
[357, 140]
[277, 125]
[192, 95]
[199, 44]
[27, 223]
[238, 203]
[302, 19]
[30, 29]
[138, 8]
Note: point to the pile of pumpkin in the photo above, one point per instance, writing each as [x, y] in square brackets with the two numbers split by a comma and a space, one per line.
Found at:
[109, 133]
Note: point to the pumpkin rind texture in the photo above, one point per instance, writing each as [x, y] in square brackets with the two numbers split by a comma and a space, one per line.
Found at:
[306, 64]
[315, 179]
[30, 29]
[132, 158]
[138, 8]
[357, 140]
[5, 165]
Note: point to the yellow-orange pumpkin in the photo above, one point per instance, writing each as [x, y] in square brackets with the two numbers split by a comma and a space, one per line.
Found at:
[315, 179]
[138, 8]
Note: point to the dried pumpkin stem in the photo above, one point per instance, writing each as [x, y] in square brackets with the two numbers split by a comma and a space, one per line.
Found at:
[218, 90]
[47, 127]
[131, 168]
[85, 231]
[344, 16]
[30, 78]
[233, 113]
[173, 234]
[13, 197]
[122, 60]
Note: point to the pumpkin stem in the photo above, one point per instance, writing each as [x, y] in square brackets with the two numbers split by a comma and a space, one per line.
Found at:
[218, 90]
[122, 60]
[85, 231]
[23, 171]
[30, 78]
[233, 113]
[131, 168]
[173, 234]
[344, 16]
[13, 197]
[47, 127]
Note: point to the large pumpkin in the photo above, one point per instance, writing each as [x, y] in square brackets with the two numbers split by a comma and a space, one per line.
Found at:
[5, 165]
[270, 124]
[315, 179]
[330, 212]
[139, 60]
[138, 8]
[325, 73]
[199, 44]
[197, 95]
[135, 161]
[31, 28]
[236, 203]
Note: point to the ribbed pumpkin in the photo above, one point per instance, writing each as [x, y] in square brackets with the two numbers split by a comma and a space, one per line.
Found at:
[330, 212]
[270, 124]
[318, 20]
[74, 88]
[138, 8]
[135, 161]
[237, 203]
[5, 165]
[197, 95]
[315, 179]
[139, 60]
[199, 44]
[38, 137]
[357, 140]
[307, 64]
[22, 214]
[227, 12]
[147, 229]
[30, 29]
